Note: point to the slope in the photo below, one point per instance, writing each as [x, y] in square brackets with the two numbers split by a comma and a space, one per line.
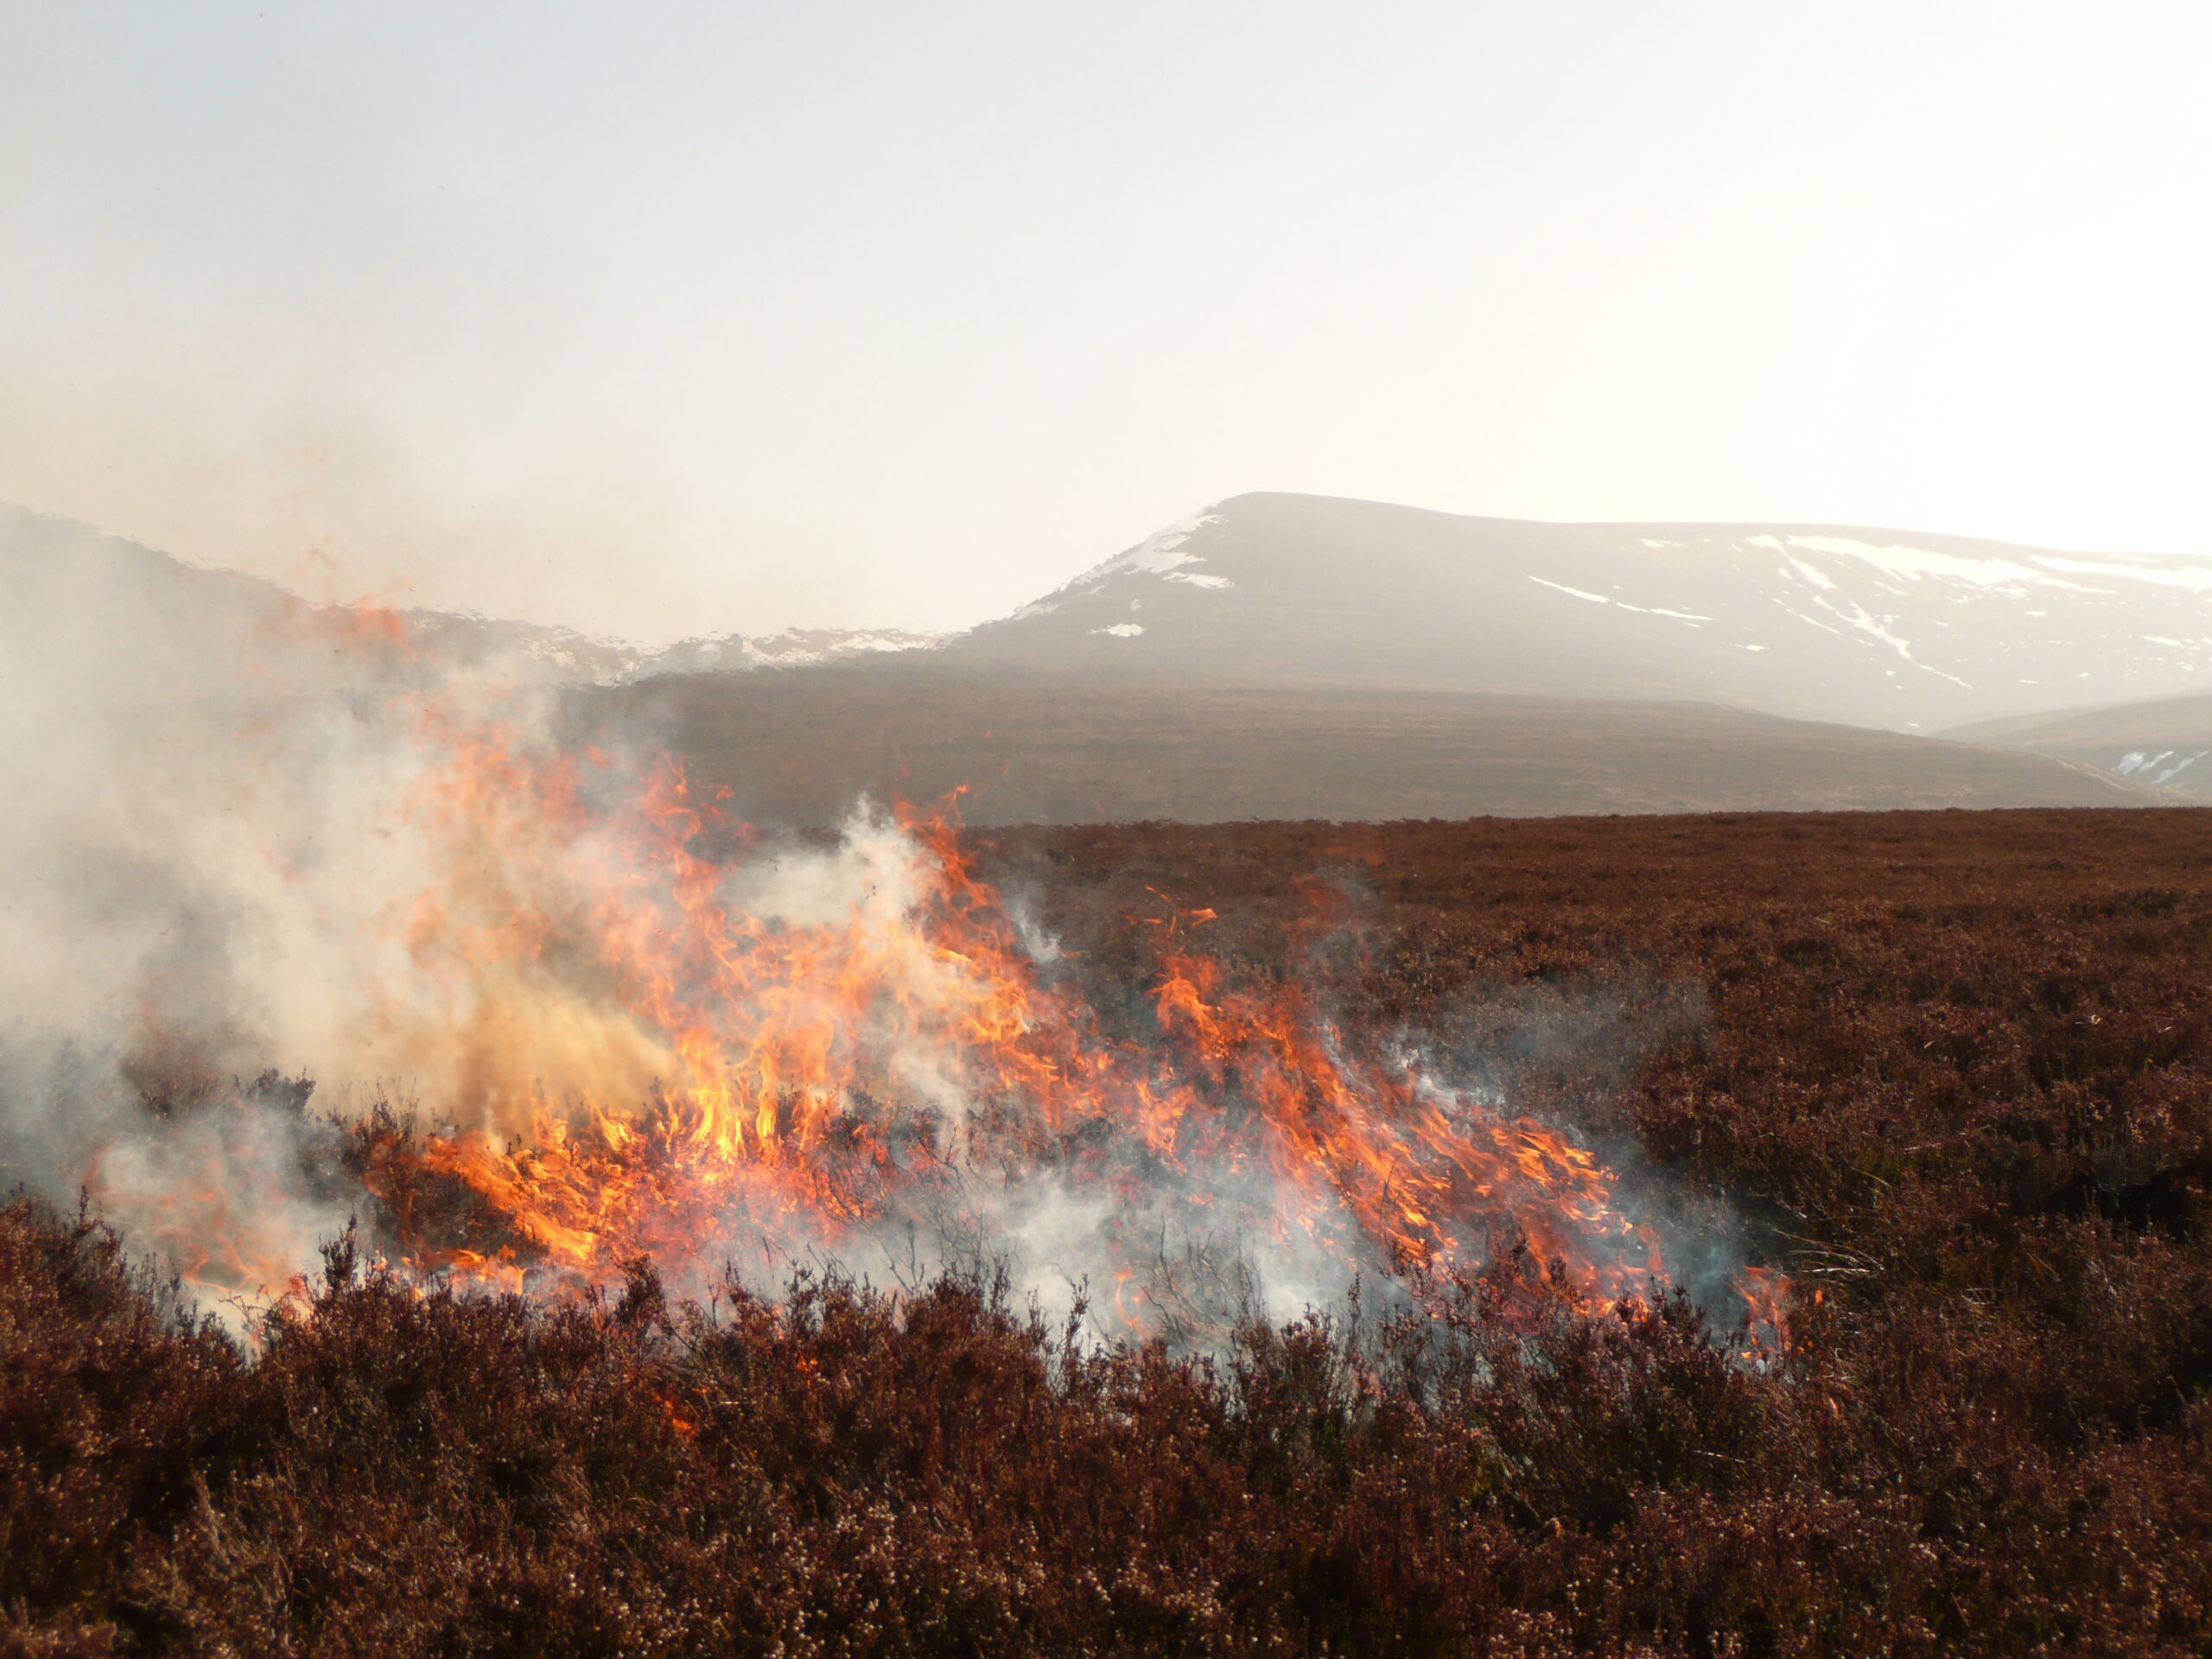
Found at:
[796, 748]
[1873, 627]
[2166, 741]
[132, 624]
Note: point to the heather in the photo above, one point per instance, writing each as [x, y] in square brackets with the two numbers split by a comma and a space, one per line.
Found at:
[1946, 1071]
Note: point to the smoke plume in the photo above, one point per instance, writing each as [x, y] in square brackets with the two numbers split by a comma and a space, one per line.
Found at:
[311, 918]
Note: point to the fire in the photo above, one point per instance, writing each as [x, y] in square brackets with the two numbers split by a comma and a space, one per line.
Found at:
[646, 1048]
[643, 1030]
[210, 1197]
[1766, 1301]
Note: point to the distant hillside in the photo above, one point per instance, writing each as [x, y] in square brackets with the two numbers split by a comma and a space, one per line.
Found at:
[162, 630]
[795, 748]
[2166, 742]
[1278, 656]
[83, 613]
[1871, 627]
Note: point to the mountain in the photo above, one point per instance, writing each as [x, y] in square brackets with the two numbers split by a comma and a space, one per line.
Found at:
[793, 648]
[163, 630]
[1871, 627]
[796, 748]
[1274, 657]
[2166, 742]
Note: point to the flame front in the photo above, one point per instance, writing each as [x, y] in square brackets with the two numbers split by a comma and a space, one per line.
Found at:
[645, 1049]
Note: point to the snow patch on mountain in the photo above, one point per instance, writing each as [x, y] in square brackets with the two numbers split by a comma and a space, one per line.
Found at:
[2162, 767]
[793, 648]
[1561, 587]
[1159, 553]
[2166, 572]
[1919, 563]
[1693, 618]
[1164, 554]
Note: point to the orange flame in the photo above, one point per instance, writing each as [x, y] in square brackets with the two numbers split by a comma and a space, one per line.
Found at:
[210, 1198]
[641, 1044]
[1766, 1299]
[642, 1055]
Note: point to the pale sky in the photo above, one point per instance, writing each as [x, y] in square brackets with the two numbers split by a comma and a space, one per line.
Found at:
[657, 320]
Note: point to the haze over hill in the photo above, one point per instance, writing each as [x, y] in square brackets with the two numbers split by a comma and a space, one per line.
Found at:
[148, 628]
[1030, 747]
[2166, 741]
[1273, 656]
[1870, 628]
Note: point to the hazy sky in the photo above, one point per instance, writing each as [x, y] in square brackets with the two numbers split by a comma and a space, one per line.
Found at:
[660, 319]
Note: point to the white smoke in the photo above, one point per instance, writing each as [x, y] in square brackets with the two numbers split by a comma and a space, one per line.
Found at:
[245, 841]
[198, 857]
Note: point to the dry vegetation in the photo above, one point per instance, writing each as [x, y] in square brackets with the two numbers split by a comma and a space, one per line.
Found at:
[1953, 1070]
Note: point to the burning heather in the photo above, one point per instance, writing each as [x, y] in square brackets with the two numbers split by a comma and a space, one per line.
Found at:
[649, 1052]
[569, 1015]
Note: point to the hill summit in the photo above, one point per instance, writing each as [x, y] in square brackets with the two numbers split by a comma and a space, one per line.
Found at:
[1897, 629]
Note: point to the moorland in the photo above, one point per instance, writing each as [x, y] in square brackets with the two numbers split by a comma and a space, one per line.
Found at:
[1950, 1071]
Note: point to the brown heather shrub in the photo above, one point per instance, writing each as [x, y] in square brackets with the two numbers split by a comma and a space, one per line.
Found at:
[1948, 1070]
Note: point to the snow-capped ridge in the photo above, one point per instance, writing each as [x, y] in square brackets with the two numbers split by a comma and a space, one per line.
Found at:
[1870, 626]
[790, 648]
